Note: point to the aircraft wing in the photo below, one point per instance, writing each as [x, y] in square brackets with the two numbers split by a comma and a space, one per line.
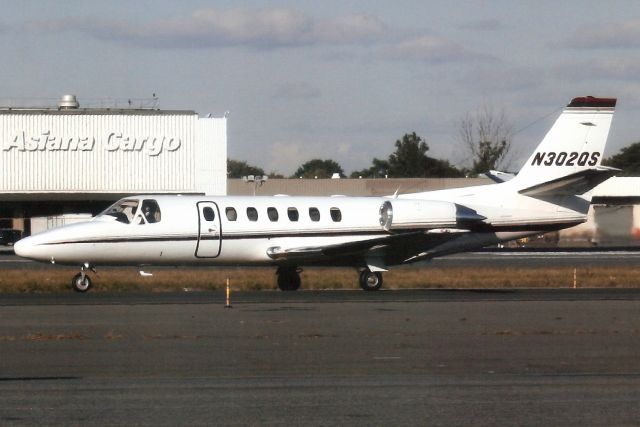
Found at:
[390, 249]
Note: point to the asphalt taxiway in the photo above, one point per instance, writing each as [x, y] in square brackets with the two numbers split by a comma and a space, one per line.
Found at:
[430, 357]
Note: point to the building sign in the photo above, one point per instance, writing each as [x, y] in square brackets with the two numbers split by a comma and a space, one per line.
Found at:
[114, 141]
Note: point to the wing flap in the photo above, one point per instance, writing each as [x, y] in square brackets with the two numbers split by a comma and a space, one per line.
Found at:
[392, 247]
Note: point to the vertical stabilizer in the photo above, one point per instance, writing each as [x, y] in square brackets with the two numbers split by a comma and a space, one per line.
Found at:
[575, 143]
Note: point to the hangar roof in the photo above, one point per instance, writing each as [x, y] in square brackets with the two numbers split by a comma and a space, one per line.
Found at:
[619, 186]
[95, 111]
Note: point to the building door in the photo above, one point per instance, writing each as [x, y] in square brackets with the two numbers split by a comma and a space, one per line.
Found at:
[210, 230]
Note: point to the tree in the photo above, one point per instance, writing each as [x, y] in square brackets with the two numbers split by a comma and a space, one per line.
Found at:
[318, 168]
[379, 169]
[238, 169]
[628, 159]
[487, 136]
[409, 161]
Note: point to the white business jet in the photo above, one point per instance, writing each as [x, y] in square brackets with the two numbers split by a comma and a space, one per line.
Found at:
[551, 192]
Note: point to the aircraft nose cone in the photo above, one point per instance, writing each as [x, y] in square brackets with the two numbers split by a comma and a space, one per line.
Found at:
[21, 247]
[27, 248]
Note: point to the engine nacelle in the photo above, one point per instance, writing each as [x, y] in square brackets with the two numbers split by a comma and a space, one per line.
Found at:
[400, 214]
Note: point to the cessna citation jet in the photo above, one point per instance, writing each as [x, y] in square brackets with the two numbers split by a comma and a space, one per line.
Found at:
[551, 192]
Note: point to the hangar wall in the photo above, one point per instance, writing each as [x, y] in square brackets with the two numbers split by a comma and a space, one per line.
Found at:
[65, 159]
[101, 151]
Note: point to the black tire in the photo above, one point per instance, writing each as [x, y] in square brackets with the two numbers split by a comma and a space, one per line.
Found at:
[370, 281]
[79, 284]
[288, 279]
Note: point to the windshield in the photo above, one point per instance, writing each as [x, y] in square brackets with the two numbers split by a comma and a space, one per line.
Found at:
[123, 210]
[151, 211]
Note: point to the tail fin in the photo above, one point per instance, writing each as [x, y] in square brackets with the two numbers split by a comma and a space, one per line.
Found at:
[573, 145]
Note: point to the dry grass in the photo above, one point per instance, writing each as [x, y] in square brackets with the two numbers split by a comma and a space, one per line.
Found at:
[164, 280]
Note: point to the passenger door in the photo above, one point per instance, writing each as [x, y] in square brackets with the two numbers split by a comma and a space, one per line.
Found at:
[209, 230]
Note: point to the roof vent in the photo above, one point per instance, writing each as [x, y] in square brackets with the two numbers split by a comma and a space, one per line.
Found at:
[68, 102]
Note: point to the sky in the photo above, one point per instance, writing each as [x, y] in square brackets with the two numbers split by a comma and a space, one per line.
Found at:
[339, 80]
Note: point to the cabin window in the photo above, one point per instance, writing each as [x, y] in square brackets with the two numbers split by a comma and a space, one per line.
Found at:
[232, 215]
[292, 213]
[123, 210]
[336, 215]
[252, 214]
[314, 214]
[272, 213]
[151, 211]
[208, 213]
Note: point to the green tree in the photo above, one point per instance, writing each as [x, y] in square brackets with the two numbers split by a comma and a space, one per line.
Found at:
[318, 168]
[628, 159]
[410, 160]
[238, 169]
[379, 169]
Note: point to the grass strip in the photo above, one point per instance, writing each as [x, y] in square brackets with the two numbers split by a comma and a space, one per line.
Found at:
[58, 279]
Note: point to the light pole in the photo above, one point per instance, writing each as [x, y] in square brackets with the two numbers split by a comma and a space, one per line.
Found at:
[257, 181]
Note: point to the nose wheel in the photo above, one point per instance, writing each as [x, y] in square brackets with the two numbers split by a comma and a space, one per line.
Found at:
[81, 282]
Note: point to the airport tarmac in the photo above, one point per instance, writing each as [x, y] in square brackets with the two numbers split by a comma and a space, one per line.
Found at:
[420, 357]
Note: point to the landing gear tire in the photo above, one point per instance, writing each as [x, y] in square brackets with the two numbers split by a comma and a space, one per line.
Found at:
[288, 279]
[81, 282]
[370, 280]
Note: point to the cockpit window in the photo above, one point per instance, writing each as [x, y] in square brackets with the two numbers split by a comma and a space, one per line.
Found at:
[151, 211]
[123, 210]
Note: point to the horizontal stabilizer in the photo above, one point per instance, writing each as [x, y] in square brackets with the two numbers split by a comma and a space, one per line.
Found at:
[574, 184]
[498, 176]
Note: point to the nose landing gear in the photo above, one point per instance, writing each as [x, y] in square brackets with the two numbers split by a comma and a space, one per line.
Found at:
[81, 282]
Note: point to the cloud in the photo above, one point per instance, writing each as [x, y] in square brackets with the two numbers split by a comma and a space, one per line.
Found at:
[297, 90]
[482, 25]
[352, 28]
[498, 77]
[286, 157]
[268, 29]
[430, 48]
[612, 69]
[255, 28]
[606, 35]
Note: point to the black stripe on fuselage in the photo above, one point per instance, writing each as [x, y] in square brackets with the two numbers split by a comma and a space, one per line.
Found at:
[224, 237]
[248, 236]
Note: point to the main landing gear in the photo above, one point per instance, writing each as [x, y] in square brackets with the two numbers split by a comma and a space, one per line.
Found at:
[289, 278]
[370, 280]
[81, 282]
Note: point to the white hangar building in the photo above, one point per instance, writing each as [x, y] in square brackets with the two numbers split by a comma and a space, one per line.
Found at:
[68, 159]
